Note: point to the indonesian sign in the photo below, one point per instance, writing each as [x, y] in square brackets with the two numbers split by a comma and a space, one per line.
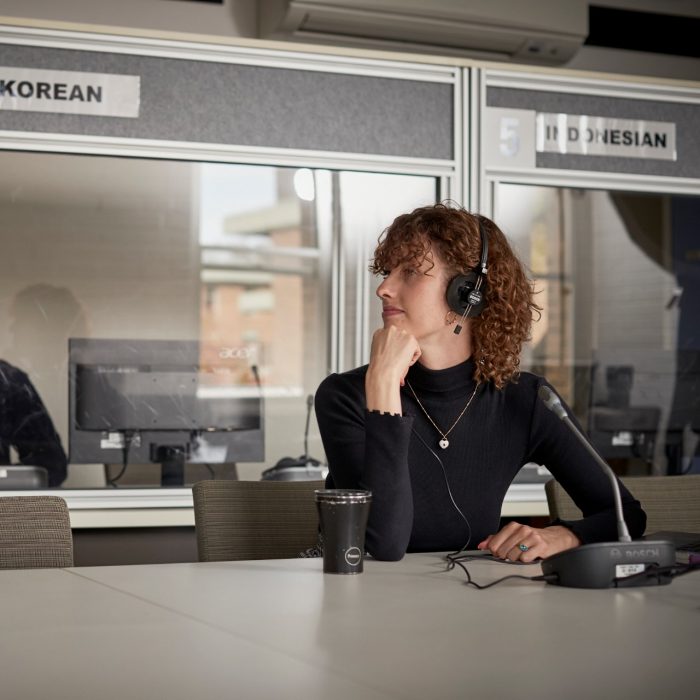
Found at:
[604, 136]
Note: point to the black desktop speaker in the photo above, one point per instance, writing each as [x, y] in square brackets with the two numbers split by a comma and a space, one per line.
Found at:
[303, 468]
[19, 478]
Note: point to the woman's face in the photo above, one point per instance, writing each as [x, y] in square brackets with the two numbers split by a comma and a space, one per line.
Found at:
[413, 298]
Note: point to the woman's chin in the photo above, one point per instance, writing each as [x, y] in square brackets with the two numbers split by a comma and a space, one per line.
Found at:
[394, 320]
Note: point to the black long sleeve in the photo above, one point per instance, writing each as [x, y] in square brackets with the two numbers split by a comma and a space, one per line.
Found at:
[368, 451]
[412, 486]
[26, 425]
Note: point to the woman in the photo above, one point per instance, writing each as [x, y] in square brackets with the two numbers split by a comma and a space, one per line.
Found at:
[439, 422]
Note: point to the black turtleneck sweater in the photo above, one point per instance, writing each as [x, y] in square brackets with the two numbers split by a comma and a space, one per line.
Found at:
[500, 432]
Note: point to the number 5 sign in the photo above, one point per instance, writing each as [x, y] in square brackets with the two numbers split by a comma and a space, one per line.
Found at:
[508, 138]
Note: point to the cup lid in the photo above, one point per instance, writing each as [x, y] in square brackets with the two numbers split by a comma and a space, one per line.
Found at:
[343, 495]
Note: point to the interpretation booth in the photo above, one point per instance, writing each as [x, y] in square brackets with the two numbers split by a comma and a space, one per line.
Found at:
[187, 223]
[186, 226]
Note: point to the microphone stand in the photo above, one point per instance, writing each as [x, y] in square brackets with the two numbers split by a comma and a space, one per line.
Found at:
[309, 407]
[303, 461]
[605, 564]
[256, 376]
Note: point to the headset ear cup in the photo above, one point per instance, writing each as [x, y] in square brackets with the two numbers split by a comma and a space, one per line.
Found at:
[455, 289]
[458, 291]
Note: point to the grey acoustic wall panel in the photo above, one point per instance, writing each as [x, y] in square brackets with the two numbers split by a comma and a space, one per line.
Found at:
[205, 102]
[685, 116]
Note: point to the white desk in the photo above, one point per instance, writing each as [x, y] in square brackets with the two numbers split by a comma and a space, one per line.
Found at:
[282, 629]
[172, 507]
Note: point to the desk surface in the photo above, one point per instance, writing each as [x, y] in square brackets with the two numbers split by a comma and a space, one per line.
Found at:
[282, 629]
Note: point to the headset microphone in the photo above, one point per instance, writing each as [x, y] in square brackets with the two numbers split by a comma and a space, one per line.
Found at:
[466, 294]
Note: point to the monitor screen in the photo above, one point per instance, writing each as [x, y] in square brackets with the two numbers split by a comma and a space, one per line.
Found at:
[141, 401]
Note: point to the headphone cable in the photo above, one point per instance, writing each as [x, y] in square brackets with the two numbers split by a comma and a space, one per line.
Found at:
[449, 491]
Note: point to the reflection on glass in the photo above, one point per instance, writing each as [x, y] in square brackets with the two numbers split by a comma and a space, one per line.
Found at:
[369, 202]
[618, 276]
[167, 402]
[27, 430]
[234, 258]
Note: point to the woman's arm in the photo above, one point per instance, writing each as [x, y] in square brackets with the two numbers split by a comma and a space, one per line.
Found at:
[366, 438]
[368, 450]
[556, 447]
[552, 444]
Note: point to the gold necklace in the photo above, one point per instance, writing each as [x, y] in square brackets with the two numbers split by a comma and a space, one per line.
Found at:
[444, 443]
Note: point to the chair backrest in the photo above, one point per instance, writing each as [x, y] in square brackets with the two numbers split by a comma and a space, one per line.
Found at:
[34, 533]
[671, 502]
[255, 519]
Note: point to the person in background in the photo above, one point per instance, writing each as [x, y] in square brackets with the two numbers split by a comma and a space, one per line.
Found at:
[438, 423]
[26, 426]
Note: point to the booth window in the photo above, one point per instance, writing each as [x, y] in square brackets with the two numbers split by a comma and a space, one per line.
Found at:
[110, 265]
[618, 275]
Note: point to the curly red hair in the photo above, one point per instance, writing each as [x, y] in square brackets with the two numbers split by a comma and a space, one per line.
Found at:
[504, 325]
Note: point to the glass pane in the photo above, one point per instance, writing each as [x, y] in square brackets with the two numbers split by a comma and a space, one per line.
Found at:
[618, 275]
[232, 258]
[369, 203]
[153, 311]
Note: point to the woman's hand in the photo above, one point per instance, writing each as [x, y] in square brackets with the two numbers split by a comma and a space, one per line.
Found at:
[539, 542]
[393, 352]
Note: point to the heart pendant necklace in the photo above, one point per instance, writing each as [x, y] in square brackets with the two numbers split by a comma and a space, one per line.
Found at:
[444, 442]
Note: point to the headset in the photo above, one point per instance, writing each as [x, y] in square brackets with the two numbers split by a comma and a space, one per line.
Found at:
[466, 294]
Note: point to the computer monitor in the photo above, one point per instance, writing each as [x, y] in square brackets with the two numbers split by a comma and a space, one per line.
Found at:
[162, 401]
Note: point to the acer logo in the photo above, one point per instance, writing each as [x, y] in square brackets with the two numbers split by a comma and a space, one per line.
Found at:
[235, 353]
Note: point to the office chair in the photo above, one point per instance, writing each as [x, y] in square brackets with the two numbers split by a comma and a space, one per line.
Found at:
[238, 520]
[34, 533]
[672, 503]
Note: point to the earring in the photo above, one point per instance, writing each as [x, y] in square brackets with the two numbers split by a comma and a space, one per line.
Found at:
[450, 318]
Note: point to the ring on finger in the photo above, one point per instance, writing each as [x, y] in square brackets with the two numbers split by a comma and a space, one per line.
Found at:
[523, 547]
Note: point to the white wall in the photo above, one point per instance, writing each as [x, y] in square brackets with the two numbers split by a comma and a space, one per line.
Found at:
[236, 18]
[596, 58]
[117, 250]
[652, 65]
[688, 8]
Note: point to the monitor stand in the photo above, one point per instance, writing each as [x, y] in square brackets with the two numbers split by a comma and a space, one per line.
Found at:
[172, 465]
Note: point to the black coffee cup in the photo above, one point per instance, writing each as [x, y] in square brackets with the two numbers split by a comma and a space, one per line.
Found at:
[343, 516]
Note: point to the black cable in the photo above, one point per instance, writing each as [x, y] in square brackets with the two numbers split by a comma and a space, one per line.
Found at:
[210, 469]
[449, 491]
[470, 582]
[128, 436]
[453, 559]
[482, 555]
